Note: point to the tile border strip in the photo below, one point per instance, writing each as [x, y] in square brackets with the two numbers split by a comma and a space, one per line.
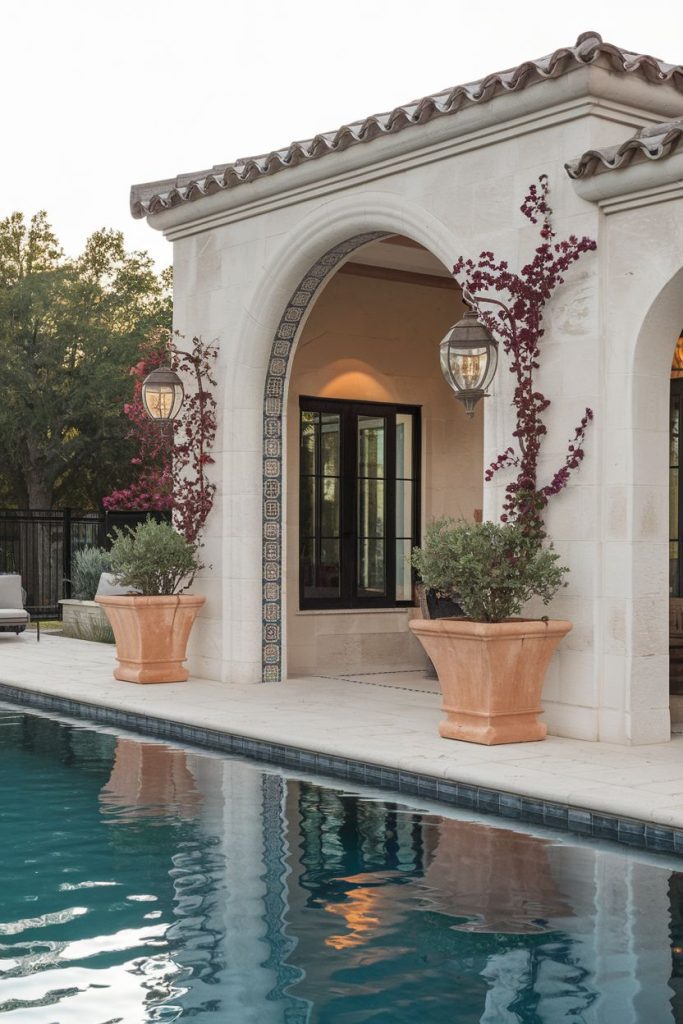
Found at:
[274, 402]
[510, 806]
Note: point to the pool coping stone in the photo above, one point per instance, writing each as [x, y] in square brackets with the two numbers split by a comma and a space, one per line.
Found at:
[562, 817]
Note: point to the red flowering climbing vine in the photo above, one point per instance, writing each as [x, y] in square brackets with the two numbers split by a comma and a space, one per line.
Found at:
[173, 458]
[518, 324]
[193, 493]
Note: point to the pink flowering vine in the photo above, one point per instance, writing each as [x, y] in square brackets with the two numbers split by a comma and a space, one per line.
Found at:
[518, 324]
[173, 458]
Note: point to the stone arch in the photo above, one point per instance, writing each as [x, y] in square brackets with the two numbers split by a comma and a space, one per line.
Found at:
[353, 221]
[274, 398]
[662, 322]
[648, 621]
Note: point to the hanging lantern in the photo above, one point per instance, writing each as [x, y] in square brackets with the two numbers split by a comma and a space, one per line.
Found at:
[162, 394]
[469, 356]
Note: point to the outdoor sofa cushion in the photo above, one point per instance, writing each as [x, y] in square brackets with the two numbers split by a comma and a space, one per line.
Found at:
[12, 613]
[108, 588]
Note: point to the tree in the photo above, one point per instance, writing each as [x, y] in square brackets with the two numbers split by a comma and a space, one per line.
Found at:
[69, 331]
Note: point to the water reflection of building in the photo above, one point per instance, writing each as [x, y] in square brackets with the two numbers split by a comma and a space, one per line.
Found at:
[517, 924]
[149, 778]
[295, 903]
[225, 940]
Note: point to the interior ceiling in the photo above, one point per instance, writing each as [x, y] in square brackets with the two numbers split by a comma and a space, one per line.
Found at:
[399, 253]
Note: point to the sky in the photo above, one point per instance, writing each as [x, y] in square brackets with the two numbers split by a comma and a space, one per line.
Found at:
[98, 96]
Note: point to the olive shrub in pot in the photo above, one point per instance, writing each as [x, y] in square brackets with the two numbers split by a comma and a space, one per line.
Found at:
[152, 624]
[491, 663]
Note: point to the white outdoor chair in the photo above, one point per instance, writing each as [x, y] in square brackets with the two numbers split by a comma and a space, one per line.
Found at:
[13, 616]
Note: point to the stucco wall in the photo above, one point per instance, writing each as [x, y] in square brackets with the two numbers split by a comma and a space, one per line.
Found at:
[378, 340]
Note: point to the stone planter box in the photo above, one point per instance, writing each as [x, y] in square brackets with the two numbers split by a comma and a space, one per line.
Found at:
[85, 620]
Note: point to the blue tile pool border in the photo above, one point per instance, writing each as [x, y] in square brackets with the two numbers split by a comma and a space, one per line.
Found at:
[499, 803]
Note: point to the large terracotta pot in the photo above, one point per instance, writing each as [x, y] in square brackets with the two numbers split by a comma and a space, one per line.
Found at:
[151, 635]
[491, 675]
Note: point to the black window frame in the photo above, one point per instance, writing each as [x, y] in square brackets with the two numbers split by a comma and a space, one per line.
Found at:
[349, 411]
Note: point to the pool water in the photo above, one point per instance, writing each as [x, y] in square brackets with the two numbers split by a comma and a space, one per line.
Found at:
[147, 882]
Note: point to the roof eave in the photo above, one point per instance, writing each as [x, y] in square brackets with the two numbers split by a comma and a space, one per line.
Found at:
[605, 72]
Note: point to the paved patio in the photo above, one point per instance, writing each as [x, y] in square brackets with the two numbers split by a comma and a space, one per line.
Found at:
[385, 719]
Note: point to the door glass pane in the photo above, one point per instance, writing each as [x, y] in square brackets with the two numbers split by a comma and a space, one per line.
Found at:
[405, 512]
[319, 505]
[404, 445]
[371, 568]
[307, 506]
[308, 565]
[328, 572]
[320, 568]
[371, 438]
[309, 441]
[329, 511]
[371, 507]
[404, 574]
[371, 510]
[404, 508]
[330, 437]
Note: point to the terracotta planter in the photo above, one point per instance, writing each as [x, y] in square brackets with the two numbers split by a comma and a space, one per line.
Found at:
[491, 675]
[151, 635]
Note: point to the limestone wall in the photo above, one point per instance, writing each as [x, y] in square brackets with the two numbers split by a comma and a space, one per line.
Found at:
[455, 186]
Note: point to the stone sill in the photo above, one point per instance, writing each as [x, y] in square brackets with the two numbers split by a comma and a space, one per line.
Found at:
[357, 611]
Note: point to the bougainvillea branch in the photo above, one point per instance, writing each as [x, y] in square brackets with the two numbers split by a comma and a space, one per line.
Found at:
[518, 324]
[193, 494]
[173, 458]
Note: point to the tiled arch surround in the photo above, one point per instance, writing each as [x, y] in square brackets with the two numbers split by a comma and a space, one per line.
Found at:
[274, 403]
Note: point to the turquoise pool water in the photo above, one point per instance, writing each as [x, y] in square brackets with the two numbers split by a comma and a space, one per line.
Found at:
[144, 882]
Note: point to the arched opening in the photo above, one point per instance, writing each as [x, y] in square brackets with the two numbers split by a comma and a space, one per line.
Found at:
[654, 537]
[376, 446]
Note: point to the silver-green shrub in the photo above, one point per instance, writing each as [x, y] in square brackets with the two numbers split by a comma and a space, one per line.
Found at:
[491, 569]
[86, 568]
[153, 559]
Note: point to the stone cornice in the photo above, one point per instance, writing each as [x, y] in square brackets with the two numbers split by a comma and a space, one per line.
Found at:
[314, 181]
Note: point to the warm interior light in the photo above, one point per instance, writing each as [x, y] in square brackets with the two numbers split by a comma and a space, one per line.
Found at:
[162, 394]
[160, 401]
[468, 368]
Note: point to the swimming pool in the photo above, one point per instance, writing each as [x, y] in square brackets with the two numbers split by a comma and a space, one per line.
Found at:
[147, 882]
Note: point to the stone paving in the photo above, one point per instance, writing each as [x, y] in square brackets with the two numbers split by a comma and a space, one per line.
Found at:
[388, 719]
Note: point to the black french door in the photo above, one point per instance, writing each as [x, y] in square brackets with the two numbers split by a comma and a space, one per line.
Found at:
[358, 502]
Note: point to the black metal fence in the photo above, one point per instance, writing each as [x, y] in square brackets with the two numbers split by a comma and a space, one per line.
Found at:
[40, 544]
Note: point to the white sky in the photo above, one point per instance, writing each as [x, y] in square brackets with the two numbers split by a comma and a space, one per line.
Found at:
[97, 96]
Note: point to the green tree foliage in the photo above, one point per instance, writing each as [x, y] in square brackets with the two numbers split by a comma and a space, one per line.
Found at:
[153, 559]
[491, 569]
[87, 566]
[70, 329]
